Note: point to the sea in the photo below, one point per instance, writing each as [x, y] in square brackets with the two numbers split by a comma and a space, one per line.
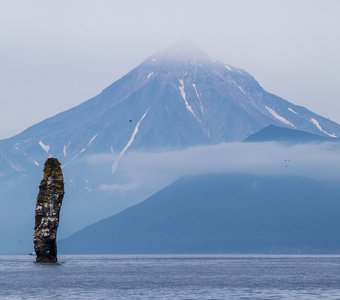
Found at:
[172, 277]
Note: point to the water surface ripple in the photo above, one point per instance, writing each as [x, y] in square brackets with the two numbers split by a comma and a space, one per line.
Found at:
[172, 277]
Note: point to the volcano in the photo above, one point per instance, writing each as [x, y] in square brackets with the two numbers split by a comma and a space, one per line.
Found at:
[174, 99]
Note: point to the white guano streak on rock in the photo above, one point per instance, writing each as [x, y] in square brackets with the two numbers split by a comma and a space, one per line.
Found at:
[318, 126]
[278, 117]
[46, 148]
[129, 143]
[187, 105]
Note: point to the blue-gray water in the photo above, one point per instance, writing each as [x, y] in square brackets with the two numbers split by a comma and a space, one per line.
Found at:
[172, 277]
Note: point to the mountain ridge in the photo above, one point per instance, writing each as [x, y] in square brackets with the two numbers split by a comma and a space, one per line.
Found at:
[273, 133]
[221, 213]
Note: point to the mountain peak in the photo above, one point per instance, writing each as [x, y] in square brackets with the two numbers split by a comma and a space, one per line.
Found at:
[184, 50]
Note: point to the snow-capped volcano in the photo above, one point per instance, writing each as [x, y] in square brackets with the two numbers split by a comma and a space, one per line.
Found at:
[174, 99]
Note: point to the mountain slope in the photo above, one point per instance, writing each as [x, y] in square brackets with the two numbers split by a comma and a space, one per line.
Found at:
[174, 99]
[221, 214]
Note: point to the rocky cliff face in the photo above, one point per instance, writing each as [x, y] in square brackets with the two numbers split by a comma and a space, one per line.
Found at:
[47, 210]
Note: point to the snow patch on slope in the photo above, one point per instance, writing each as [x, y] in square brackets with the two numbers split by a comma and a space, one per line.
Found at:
[81, 151]
[129, 143]
[241, 89]
[88, 189]
[187, 105]
[318, 126]
[91, 140]
[65, 150]
[198, 97]
[194, 86]
[46, 148]
[292, 110]
[278, 117]
[227, 67]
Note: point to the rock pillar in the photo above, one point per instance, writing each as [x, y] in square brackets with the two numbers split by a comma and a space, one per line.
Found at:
[47, 210]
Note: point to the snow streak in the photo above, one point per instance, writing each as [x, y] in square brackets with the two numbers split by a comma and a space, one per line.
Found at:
[318, 126]
[228, 67]
[65, 150]
[129, 143]
[187, 105]
[241, 89]
[91, 140]
[292, 110]
[81, 151]
[198, 97]
[46, 148]
[278, 117]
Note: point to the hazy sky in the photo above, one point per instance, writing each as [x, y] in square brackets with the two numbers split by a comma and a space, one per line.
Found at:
[57, 54]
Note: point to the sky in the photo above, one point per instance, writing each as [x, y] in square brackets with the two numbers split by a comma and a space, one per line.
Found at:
[56, 54]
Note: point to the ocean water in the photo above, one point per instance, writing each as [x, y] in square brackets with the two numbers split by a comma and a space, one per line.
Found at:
[172, 277]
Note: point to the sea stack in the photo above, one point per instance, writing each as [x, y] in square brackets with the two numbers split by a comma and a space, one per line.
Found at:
[47, 210]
